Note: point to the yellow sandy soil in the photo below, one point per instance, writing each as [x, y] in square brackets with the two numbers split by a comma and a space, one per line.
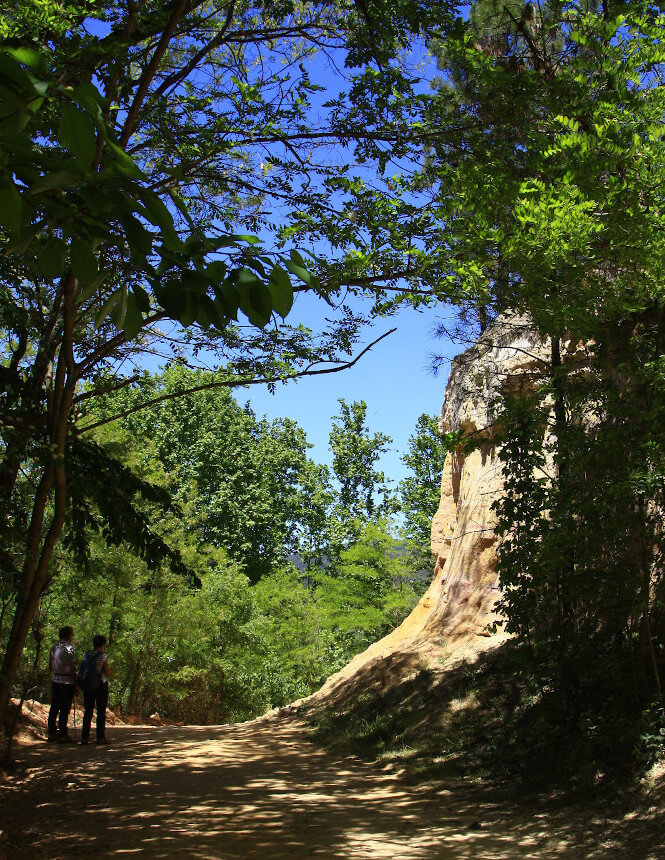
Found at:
[262, 790]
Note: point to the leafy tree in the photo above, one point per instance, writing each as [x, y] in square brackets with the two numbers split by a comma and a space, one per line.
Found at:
[248, 484]
[421, 491]
[364, 495]
[556, 218]
[540, 193]
[136, 140]
[371, 591]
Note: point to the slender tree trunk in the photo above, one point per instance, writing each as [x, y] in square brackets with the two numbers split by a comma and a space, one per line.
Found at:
[559, 429]
[566, 569]
[115, 614]
[5, 606]
[645, 569]
[39, 546]
[133, 704]
[37, 631]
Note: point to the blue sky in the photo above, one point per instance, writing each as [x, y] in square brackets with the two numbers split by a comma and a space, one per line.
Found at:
[394, 380]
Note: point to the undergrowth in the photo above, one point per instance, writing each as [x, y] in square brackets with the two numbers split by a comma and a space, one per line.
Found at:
[492, 720]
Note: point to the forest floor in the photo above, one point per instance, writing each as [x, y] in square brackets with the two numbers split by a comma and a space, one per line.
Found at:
[264, 789]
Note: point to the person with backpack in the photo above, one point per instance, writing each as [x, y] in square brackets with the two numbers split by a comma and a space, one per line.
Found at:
[93, 679]
[62, 664]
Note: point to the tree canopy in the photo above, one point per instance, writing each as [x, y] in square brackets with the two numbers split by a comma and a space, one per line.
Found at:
[143, 148]
[140, 144]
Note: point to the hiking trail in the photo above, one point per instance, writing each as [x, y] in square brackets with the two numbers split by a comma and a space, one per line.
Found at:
[262, 789]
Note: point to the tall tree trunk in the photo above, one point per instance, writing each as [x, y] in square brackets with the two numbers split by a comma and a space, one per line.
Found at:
[39, 547]
[644, 554]
[39, 638]
[568, 673]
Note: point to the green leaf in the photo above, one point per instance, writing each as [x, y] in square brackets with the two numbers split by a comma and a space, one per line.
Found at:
[11, 208]
[105, 309]
[256, 264]
[84, 262]
[24, 240]
[124, 163]
[281, 291]
[255, 302]
[216, 271]
[227, 300]
[13, 71]
[237, 237]
[51, 258]
[93, 286]
[59, 179]
[170, 296]
[88, 97]
[77, 134]
[29, 57]
[195, 282]
[203, 315]
[301, 273]
[142, 298]
[157, 210]
[138, 238]
[158, 214]
[181, 206]
[247, 278]
[119, 309]
[211, 310]
[190, 311]
[133, 318]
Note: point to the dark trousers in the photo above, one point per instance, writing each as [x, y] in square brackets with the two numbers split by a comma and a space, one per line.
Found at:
[96, 700]
[61, 704]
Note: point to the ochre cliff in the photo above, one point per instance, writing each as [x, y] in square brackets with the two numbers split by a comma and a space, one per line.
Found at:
[453, 615]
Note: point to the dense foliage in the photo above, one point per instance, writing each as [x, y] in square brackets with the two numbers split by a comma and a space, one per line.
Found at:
[540, 193]
[138, 145]
[140, 142]
[248, 589]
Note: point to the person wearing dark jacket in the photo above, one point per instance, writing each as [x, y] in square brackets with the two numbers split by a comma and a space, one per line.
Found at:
[95, 690]
[62, 664]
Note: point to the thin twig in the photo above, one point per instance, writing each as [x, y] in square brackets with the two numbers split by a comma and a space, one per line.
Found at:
[232, 383]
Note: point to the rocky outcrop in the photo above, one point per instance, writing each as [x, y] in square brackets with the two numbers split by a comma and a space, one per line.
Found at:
[454, 614]
[464, 590]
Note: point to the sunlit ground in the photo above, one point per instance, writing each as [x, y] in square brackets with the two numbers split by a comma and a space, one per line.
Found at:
[262, 790]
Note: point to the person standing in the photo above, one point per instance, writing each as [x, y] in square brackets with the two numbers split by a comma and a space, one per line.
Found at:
[95, 674]
[62, 664]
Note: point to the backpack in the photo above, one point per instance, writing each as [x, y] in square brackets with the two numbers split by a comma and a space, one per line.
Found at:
[89, 679]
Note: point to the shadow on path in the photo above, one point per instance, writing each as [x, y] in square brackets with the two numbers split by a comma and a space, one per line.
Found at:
[263, 790]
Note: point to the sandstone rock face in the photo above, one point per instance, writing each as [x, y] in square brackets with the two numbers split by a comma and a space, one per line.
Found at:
[462, 595]
[454, 613]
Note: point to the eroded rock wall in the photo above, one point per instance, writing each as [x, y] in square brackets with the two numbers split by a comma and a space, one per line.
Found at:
[464, 590]
[458, 606]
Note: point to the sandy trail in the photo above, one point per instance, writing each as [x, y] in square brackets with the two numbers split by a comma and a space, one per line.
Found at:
[262, 789]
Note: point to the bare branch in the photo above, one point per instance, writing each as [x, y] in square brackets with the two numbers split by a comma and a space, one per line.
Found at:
[237, 382]
[108, 389]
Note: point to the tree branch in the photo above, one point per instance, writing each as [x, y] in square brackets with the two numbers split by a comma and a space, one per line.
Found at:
[233, 383]
[149, 73]
[98, 392]
[177, 77]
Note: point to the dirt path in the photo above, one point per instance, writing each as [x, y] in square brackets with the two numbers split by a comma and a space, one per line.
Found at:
[263, 790]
